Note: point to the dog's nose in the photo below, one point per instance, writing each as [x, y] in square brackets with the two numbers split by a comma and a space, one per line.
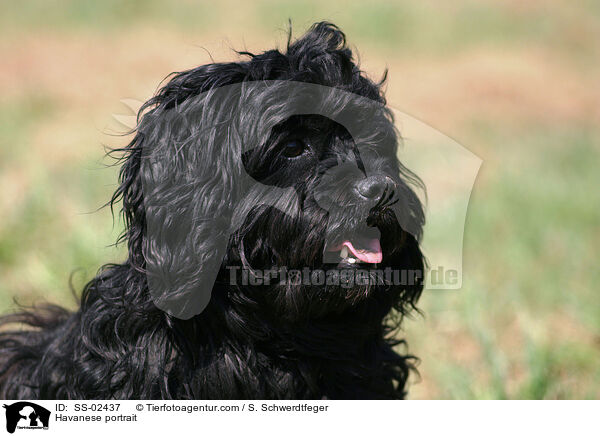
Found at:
[373, 187]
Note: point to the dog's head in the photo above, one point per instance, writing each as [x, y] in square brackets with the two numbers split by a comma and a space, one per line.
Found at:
[284, 162]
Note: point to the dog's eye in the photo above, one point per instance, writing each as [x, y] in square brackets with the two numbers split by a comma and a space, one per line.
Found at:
[293, 148]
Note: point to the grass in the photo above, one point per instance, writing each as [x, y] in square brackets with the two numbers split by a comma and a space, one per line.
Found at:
[527, 305]
[525, 324]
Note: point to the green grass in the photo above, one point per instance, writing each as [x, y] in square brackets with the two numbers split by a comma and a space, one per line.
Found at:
[109, 15]
[43, 242]
[426, 26]
[531, 249]
[408, 27]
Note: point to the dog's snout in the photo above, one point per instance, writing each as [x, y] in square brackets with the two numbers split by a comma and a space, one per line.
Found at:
[373, 187]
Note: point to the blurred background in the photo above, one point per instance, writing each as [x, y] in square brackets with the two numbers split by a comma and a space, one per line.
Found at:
[516, 82]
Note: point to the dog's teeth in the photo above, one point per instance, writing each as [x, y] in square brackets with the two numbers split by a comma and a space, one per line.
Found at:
[344, 252]
[351, 260]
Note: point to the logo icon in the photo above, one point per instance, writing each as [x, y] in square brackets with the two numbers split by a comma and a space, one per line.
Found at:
[26, 415]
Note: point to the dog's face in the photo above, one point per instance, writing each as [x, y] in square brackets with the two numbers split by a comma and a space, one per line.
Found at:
[348, 194]
[297, 172]
[356, 214]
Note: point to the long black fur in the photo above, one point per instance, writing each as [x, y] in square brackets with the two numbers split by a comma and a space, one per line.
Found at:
[276, 342]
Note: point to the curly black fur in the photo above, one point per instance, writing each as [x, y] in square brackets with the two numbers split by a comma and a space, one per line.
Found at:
[282, 341]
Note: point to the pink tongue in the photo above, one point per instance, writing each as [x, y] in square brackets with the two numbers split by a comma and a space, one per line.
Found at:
[373, 255]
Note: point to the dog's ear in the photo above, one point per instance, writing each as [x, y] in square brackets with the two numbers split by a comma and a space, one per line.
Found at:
[175, 188]
[183, 179]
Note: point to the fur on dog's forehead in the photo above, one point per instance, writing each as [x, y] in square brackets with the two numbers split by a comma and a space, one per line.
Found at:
[321, 56]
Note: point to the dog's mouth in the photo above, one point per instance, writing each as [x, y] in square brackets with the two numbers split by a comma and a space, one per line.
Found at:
[365, 250]
[357, 247]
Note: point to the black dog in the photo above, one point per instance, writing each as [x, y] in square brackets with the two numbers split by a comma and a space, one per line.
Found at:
[284, 163]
